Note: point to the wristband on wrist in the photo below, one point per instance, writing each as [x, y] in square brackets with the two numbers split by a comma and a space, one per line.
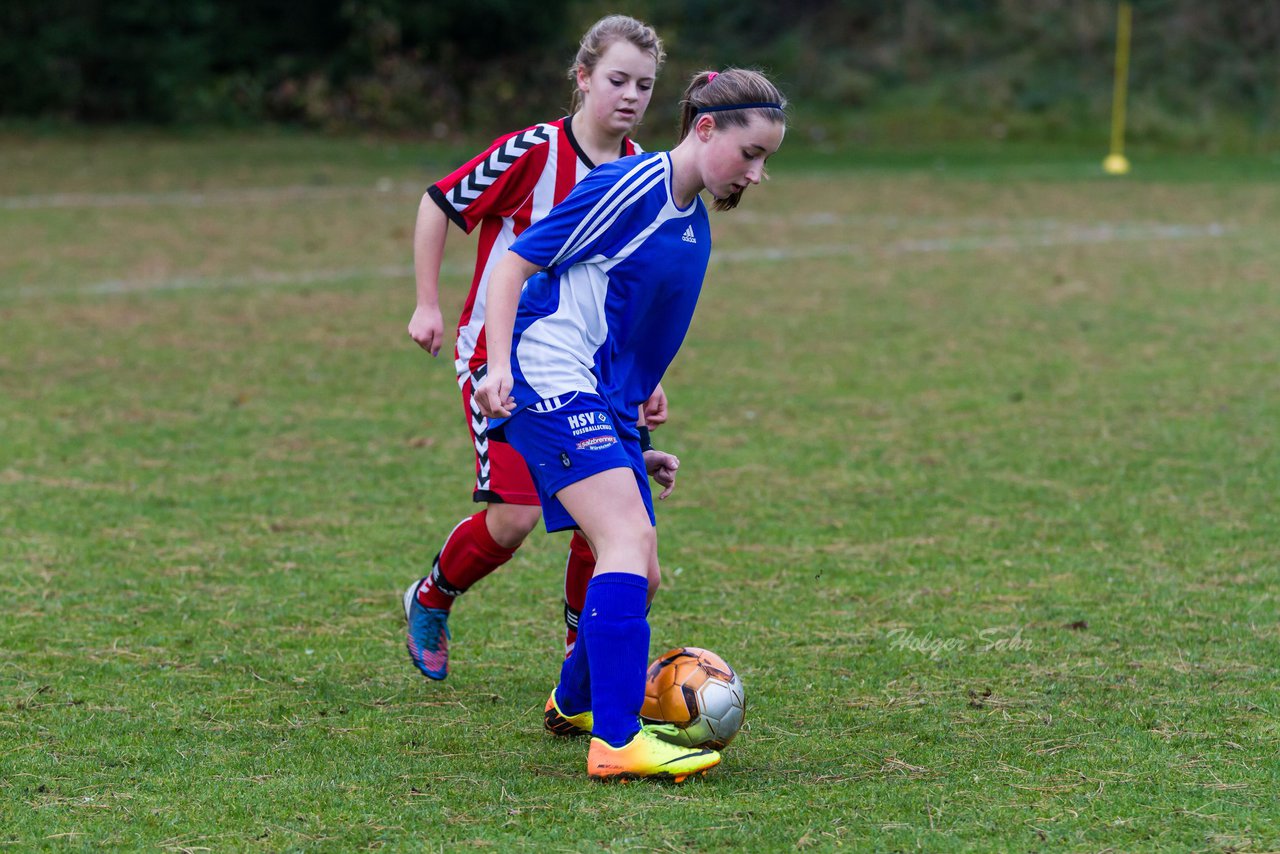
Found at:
[646, 444]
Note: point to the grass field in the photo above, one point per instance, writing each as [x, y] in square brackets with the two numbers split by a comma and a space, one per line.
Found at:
[980, 465]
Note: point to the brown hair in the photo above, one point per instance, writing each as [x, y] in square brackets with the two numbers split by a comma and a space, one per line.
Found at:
[604, 32]
[709, 90]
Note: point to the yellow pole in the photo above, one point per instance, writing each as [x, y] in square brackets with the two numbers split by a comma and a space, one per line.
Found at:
[1116, 163]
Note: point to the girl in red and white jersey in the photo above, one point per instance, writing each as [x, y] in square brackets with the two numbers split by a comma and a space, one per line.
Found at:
[502, 190]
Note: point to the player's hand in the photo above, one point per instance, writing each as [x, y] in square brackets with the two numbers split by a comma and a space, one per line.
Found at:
[493, 395]
[426, 327]
[655, 408]
[662, 468]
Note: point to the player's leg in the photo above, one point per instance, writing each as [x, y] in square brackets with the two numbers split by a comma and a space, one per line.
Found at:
[574, 676]
[578, 569]
[653, 576]
[568, 709]
[648, 752]
[615, 631]
[589, 478]
[570, 703]
[475, 547]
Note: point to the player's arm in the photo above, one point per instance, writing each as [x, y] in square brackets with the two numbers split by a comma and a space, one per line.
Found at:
[660, 465]
[662, 468]
[426, 327]
[440, 205]
[654, 412]
[493, 395]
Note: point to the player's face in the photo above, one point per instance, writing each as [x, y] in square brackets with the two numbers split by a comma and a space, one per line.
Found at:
[616, 94]
[734, 157]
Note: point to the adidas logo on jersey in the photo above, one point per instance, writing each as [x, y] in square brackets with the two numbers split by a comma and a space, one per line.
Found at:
[688, 236]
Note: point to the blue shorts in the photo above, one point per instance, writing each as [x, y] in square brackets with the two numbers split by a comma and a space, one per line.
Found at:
[569, 438]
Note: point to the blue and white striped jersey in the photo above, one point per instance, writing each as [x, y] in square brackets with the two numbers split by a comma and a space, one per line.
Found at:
[622, 270]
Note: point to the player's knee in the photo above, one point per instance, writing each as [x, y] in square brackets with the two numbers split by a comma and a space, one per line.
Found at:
[509, 524]
[645, 542]
[627, 546]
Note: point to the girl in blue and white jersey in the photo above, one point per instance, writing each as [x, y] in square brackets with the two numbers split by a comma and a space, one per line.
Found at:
[586, 311]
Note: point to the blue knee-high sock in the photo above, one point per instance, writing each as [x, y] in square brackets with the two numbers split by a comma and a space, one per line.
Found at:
[616, 635]
[573, 694]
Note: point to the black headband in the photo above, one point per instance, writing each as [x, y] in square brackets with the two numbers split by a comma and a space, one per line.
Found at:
[753, 105]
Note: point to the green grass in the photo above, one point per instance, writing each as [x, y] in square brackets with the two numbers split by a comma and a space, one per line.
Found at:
[978, 495]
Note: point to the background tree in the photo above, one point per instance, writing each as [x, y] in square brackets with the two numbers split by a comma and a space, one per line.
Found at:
[478, 65]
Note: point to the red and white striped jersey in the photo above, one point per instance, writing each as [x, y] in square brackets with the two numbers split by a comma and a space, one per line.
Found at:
[510, 185]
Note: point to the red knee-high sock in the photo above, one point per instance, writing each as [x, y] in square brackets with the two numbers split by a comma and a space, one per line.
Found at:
[469, 554]
[578, 569]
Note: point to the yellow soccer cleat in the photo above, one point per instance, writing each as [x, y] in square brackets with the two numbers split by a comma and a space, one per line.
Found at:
[648, 756]
[568, 726]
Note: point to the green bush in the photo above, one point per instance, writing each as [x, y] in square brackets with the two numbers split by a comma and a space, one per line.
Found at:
[446, 67]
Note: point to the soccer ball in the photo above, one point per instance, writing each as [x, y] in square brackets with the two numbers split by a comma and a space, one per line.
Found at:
[699, 693]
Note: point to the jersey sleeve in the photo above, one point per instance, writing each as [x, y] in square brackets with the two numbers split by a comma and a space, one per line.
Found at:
[496, 181]
[597, 216]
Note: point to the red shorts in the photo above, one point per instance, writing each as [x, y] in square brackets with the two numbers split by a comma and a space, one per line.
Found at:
[502, 477]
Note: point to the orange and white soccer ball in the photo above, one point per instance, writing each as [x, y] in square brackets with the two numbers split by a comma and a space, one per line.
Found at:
[698, 692]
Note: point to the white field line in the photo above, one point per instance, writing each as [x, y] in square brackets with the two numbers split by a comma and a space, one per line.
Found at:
[265, 279]
[306, 192]
[309, 192]
[1010, 223]
[1065, 235]
[209, 198]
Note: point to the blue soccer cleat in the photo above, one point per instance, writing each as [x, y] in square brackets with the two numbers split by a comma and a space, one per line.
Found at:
[427, 637]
